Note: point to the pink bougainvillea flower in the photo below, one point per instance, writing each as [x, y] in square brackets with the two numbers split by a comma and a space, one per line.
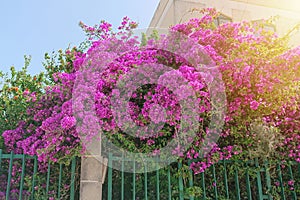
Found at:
[254, 105]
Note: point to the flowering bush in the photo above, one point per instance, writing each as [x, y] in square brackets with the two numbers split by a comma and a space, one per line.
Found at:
[261, 78]
[46, 114]
[259, 72]
[22, 95]
[18, 89]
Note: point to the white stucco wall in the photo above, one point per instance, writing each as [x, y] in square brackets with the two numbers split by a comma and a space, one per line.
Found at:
[170, 12]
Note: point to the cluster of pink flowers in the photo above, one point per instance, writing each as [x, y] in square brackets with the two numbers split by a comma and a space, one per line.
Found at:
[50, 124]
[261, 80]
[261, 77]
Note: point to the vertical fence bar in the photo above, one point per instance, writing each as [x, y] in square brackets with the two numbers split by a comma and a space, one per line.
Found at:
[157, 180]
[225, 180]
[237, 183]
[292, 178]
[258, 179]
[298, 166]
[215, 182]
[281, 181]
[169, 182]
[146, 181]
[203, 185]
[122, 179]
[268, 180]
[35, 163]
[134, 178]
[73, 169]
[248, 186]
[48, 179]
[191, 182]
[11, 157]
[0, 158]
[22, 176]
[59, 181]
[109, 185]
[180, 181]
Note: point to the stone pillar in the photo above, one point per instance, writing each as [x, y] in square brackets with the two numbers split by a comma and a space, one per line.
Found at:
[93, 172]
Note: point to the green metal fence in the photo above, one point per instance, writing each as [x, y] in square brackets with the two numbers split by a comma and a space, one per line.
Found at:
[22, 177]
[236, 180]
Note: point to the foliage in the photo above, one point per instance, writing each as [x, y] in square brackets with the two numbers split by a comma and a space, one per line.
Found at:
[22, 97]
[19, 91]
[261, 77]
[167, 90]
[32, 134]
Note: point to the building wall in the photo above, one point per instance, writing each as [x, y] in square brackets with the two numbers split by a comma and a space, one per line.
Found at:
[171, 12]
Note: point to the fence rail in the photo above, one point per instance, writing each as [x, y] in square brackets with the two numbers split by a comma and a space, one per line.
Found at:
[23, 177]
[227, 179]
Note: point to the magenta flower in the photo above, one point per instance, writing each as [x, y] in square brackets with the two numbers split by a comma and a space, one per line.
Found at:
[254, 105]
[291, 182]
[68, 122]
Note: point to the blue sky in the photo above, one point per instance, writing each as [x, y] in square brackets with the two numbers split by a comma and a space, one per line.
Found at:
[32, 27]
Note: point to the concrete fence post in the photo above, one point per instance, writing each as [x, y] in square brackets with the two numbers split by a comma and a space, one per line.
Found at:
[93, 172]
